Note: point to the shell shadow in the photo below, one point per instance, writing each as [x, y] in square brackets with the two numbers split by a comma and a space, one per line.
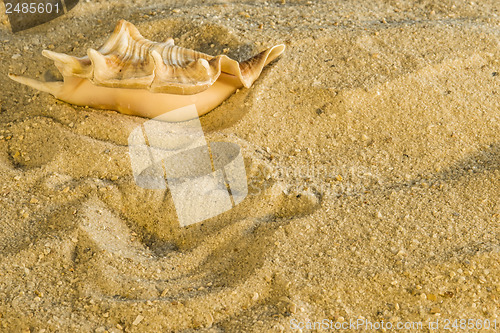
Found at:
[208, 38]
[211, 39]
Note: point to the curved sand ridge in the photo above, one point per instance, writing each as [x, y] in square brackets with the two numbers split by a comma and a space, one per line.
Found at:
[372, 158]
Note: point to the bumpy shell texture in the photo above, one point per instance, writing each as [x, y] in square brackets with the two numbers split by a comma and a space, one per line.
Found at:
[128, 60]
[136, 76]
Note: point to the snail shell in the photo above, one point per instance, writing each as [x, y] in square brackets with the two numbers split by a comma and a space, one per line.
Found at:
[136, 76]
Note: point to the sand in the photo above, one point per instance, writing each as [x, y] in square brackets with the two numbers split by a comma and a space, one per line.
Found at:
[372, 152]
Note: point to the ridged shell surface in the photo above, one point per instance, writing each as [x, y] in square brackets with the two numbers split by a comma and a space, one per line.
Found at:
[128, 60]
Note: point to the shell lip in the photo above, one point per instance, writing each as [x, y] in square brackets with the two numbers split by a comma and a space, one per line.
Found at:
[128, 60]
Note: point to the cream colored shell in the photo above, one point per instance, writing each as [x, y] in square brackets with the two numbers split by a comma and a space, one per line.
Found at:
[134, 75]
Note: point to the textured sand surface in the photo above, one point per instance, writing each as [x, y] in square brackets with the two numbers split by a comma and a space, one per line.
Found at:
[372, 149]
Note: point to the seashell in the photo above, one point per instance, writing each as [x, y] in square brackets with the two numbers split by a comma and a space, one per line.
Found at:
[136, 76]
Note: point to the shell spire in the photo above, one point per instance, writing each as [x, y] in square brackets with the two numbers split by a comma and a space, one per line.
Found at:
[136, 76]
[128, 60]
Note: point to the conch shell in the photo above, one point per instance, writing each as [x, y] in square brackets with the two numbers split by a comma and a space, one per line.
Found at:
[136, 76]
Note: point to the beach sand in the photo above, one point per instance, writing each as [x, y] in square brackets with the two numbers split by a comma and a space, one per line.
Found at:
[372, 152]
